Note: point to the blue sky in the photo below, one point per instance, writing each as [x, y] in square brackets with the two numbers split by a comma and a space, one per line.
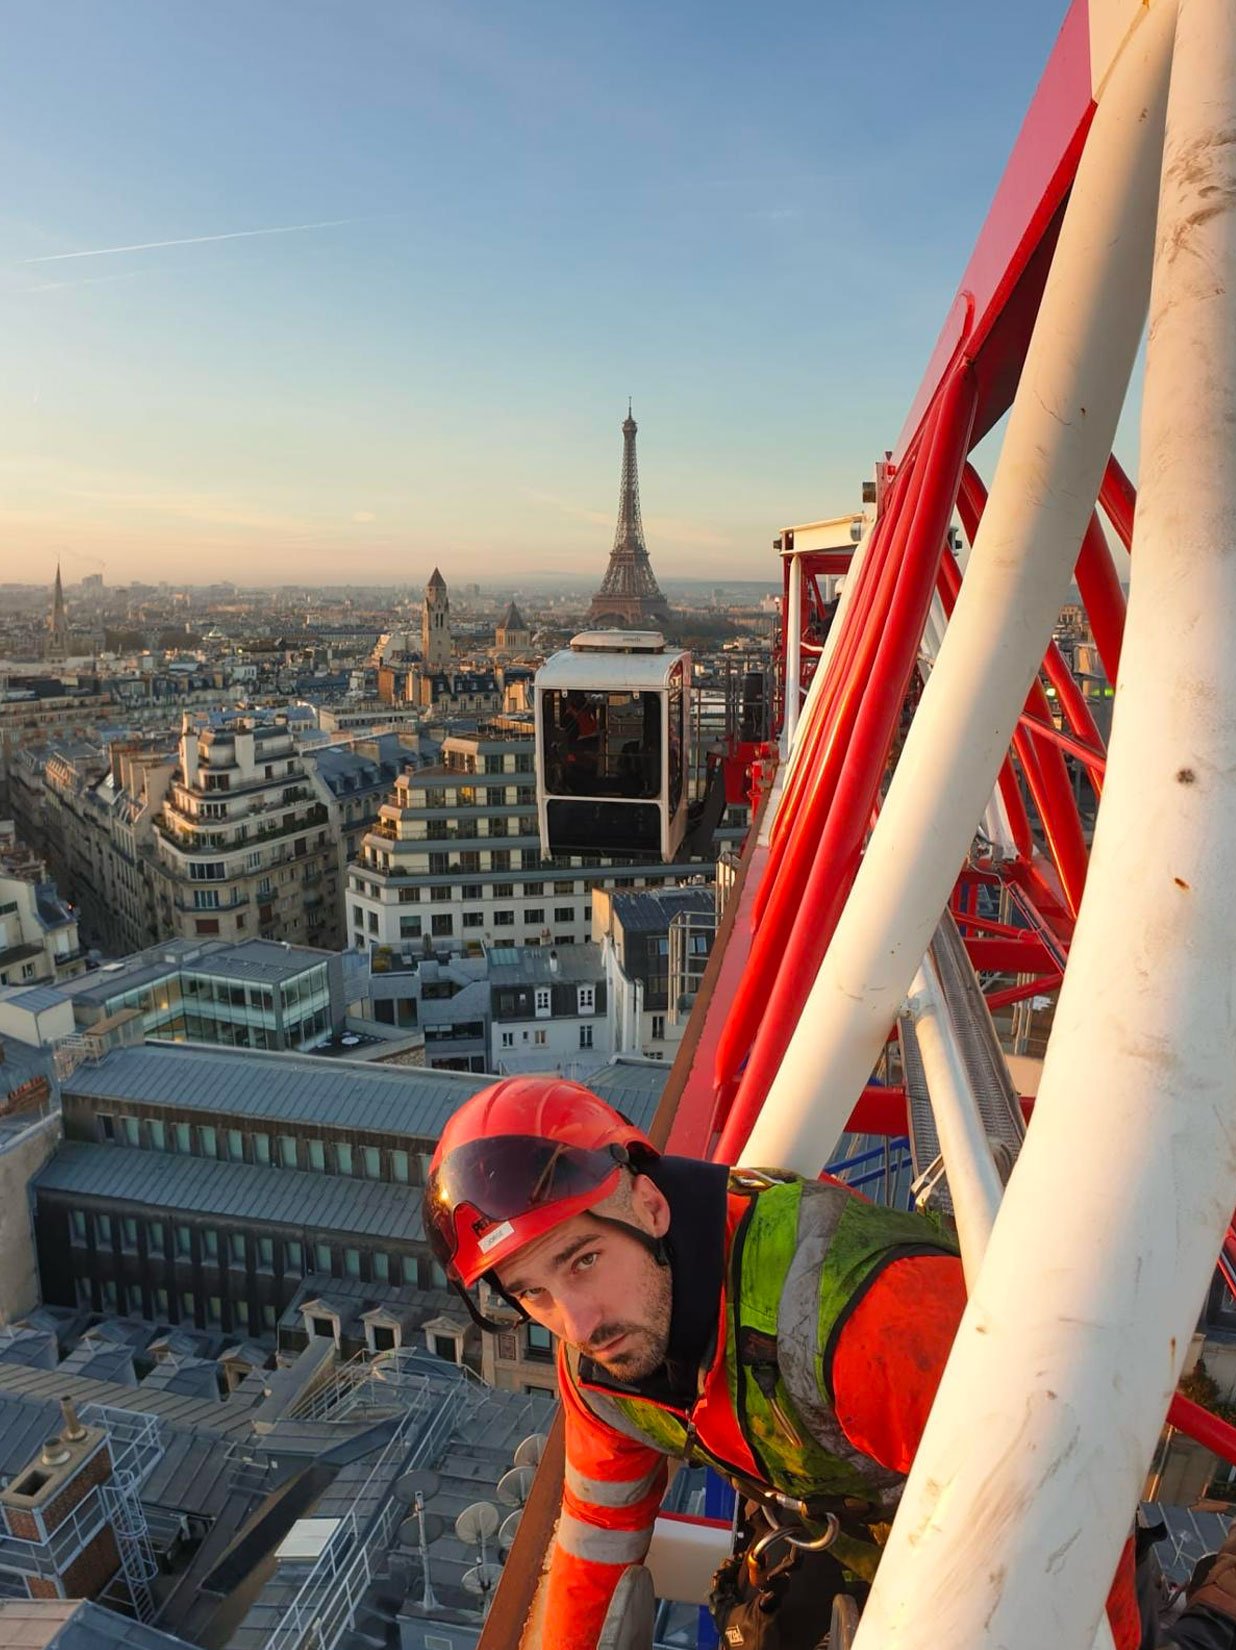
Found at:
[749, 218]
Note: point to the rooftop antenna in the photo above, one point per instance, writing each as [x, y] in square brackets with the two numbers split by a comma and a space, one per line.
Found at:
[513, 1486]
[510, 1527]
[476, 1525]
[429, 1526]
[529, 1452]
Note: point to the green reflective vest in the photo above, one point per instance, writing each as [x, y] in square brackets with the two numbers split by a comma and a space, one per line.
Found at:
[801, 1254]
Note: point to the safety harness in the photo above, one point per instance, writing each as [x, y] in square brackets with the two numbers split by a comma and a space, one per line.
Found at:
[801, 1255]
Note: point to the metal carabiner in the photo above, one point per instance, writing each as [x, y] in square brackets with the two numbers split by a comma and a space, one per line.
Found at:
[784, 1532]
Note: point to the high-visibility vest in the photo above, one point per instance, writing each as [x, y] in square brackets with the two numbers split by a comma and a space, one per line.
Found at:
[800, 1255]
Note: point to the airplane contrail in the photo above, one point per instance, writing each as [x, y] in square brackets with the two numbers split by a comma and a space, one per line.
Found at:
[192, 240]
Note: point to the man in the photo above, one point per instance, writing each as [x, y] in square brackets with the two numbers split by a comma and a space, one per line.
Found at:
[583, 742]
[785, 1332]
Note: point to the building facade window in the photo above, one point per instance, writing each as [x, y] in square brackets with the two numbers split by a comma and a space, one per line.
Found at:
[538, 1343]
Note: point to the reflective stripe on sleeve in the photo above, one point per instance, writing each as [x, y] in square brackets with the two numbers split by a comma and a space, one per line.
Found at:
[600, 1546]
[610, 1492]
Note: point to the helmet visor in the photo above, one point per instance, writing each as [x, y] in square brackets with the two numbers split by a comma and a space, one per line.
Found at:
[506, 1176]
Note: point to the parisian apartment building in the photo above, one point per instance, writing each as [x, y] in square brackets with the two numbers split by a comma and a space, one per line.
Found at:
[242, 845]
[234, 830]
[454, 861]
[38, 930]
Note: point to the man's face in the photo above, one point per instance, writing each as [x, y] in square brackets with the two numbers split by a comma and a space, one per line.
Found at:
[598, 1288]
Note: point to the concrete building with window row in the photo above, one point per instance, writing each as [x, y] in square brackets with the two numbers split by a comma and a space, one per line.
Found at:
[655, 946]
[446, 999]
[548, 1010]
[455, 858]
[201, 1186]
[253, 995]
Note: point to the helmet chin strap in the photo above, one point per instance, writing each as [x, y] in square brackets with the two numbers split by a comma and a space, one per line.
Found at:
[494, 1326]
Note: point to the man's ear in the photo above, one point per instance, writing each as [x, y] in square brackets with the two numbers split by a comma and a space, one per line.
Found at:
[651, 1206]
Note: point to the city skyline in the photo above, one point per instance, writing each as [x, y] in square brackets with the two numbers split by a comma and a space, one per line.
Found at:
[358, 298]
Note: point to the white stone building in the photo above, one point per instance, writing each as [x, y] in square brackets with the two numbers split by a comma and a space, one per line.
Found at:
[454, 862]
[548, 1010]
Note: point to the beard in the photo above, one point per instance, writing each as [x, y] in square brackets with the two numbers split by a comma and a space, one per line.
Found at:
[645, 1340]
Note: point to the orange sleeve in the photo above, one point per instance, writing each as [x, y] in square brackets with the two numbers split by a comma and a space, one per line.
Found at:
[887, 1365]
[891, 1353]
[611, 1493]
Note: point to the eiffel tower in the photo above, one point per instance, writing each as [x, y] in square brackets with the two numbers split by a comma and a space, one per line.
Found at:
[629, 595]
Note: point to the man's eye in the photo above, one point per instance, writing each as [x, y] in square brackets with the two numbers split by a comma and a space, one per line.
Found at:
[585, 1261]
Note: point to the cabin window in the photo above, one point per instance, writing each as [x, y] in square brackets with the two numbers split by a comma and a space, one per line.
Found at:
[603, 744]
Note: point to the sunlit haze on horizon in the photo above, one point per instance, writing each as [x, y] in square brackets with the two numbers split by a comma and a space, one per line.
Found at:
[300, 293]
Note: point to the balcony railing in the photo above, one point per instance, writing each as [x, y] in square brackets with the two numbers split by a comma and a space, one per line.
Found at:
[232, 904]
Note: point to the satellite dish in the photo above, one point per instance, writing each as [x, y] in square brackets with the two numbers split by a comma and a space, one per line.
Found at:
[477, 1523]
[412, 1484]
[509, 1530]
[531, 1450]
[409, 1530]
[481, 1578]
[513, 1486]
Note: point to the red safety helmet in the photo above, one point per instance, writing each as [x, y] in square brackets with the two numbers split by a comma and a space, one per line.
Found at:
[518, 1159]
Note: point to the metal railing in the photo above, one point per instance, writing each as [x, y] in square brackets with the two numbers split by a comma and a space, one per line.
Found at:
[325, 1607]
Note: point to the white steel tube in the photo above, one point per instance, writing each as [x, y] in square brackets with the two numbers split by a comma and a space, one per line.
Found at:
[973, 1181]
[995, 825]
[793, 651]
[1056, 447]
[1046, 1420]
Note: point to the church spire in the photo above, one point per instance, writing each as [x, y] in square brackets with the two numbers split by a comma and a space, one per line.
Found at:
[57, 624]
